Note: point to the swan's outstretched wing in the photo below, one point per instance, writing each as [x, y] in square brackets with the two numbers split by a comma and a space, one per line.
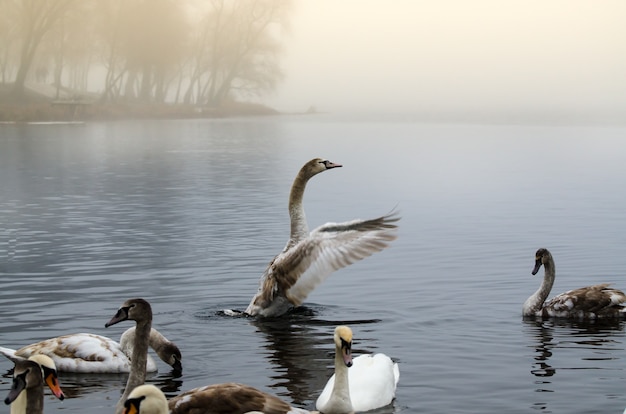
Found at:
[596, 299]
[297, 270]
[328, 248]
[229, 397]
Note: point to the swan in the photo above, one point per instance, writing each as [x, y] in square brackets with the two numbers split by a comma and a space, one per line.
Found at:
[309, 258]
[591, 302]
[146, 399]
[222, 398]
[361, 384]
[90, 353]
[29, 375]
[218, 398]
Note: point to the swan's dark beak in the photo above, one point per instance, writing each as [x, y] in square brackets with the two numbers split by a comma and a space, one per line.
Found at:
[346, 353]
[121, 315]
[330, 164]
[18, 385]
[537, 266]
[177, 366]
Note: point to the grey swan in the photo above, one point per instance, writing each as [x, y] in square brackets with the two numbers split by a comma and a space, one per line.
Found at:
[29, 375]
[364, 383]
[218, 398]
[310, 257]
[91, 353]
[591, 302]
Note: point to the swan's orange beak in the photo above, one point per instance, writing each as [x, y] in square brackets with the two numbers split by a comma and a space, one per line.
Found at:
[52, 380]
[131, 406]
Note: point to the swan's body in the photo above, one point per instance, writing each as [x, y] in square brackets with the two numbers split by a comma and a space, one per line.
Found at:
[591, 302]
[230, 398]
[309, 258]
[29, 375]
[89, 353]
[361, 384]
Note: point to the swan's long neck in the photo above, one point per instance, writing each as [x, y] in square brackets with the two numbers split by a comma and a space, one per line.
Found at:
[535, 302]
[139, 358]
[30, 401]
[299, 227]
[339, 401]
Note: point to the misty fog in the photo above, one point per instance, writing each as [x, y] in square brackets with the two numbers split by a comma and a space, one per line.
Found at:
[410, 56]
[419, 55]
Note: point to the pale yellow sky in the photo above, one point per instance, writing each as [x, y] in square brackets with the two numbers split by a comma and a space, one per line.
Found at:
[407, 55]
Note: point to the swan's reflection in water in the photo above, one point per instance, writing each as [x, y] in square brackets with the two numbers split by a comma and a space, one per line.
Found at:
[549, 337]
[300, 345]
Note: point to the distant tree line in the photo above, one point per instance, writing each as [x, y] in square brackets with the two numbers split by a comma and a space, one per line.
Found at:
[183, 51]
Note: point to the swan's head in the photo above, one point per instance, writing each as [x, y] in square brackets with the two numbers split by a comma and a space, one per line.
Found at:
[318, 165]
[343, 343]
[49, 372]
[138, 310]
[26, 374]
[146, 399]
[542, 257]
[171, 355]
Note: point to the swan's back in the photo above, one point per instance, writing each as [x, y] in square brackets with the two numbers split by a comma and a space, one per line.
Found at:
[229, 398]
[590, 302]
[84, 353]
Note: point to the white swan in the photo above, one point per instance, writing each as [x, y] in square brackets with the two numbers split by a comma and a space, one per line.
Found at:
[309, 258]
[89, 353]
[218, 398]
[146, 399]
[361, 384]
[591, 302]
[29, 375]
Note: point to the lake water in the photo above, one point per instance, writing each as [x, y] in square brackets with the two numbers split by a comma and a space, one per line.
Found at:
[188, 213]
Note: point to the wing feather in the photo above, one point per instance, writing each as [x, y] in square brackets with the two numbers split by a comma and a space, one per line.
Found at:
[329, 248]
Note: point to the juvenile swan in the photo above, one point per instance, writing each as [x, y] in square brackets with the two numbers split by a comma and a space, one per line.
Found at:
[361, 384]
[29, 375]
[213, 399]
[591, 302]
[309, 258]
[89, 353]
[140, 311]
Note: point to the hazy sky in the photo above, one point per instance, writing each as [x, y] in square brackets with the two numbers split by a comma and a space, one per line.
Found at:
[385, 55]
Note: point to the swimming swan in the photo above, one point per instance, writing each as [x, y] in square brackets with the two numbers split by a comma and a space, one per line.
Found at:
[309, 258]
[218, 398]
[89, 353]
[591, 302]
[29, 375]
[361, 384]
[146, 399]
[221, 398]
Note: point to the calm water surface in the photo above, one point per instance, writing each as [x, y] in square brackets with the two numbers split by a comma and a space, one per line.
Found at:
[187, 214]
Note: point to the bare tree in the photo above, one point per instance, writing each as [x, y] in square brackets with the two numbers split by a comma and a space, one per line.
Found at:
[37, 17]
[239, 53]
[9, 31]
